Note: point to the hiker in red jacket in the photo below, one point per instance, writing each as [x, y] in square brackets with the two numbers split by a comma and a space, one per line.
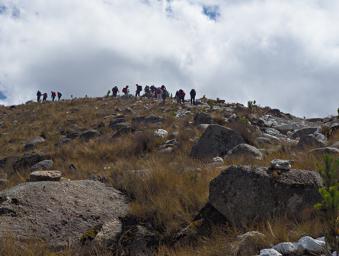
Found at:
[181, 95]
[125, 90]
[53, 95]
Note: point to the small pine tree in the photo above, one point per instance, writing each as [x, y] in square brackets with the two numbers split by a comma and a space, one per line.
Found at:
[329, 206]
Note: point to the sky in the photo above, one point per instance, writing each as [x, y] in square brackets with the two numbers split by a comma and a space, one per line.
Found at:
[281, 53]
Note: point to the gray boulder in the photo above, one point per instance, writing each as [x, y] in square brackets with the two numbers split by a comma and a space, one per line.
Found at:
[58, 212]
[33, 143]
[304, 132]
[43, 165]
[243, 194]
[245, 150]
[202, 118]
[216, 141]
[311, 140]
[89, 134]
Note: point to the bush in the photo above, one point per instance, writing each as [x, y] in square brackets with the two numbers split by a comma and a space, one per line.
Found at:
[329, 205]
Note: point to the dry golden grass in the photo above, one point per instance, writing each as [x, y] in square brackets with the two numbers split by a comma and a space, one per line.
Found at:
[169, 189]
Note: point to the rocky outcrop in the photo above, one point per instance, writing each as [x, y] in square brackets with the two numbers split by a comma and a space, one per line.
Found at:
[304, 132]
[312, 140]
[89, 134]
[243, 194]
[216, 141]
[45, 176]
[59, 212]
[202, 118]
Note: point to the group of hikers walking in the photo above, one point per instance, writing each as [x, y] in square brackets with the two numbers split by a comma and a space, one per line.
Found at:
[43, 96]
[159, 93]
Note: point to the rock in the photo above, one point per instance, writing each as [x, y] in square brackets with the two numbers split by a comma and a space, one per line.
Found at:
[109, 232]
[64, 140]
[273, 132]
[43, 165]
[89, 134]
[25, 161]
[117, 121]
[161, 133]
[216, 141]
[218, 160]
[312, 246]
[325, 150]
[148, 119]
[250, 243]
[202, 118]
[203, 127]
[278, 164]
[310, 140]
[243, 194]
[3, 183]
[288, 248]
[304, 132]
[182, 113]
[45, 176]
[269, 252]
[245, 150]
[33, 143]
[58, 212]
[118, 126]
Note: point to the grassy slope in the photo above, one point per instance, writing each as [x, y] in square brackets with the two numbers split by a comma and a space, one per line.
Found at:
[176, 186]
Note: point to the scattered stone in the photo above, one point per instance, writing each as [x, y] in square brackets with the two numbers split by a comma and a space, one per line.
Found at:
[312, 245]
[311, 140]
[45, 176]
[202, 118]
[335, 145]
[118, 126]
[33, 143]
[25, 161]
[245, 150]
[218, 160]
[288, 248]
[216, 141]
[3, 183]
[269, 252]
[250, 243]
[243, 194]
[182, 113]
[43, 165]
[304, 132]
[148, 119]
[278, 164]
[325, 150]
[161, 133]
[59, 212]
[89, 134]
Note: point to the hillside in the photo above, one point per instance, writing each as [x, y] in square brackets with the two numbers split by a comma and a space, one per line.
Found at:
[145, 169]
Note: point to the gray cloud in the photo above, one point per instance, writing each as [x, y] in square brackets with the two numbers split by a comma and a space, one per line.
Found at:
[284, 54]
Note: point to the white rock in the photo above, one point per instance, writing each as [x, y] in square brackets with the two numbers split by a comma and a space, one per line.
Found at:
[269, 252]
[161, 133]
[288, 248]
[278, 164]
[218, 159]
[312, 245]
[45, 176]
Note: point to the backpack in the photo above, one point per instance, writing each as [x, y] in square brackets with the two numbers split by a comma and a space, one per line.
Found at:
[139, 87]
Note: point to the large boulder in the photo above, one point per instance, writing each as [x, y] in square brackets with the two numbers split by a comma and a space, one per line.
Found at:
[303, 132]
[243, 194]
[216, 141]
[25, 161]
[59, 213]
[311, 140]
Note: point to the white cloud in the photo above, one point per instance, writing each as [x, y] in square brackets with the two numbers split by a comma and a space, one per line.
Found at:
[284, 54]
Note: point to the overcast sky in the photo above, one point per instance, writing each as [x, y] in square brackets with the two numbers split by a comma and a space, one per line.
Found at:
[282, 53]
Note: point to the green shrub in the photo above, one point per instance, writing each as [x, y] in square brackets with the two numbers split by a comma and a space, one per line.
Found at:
[329, 206]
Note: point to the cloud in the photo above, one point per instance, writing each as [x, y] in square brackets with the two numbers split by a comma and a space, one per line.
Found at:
[284, 54]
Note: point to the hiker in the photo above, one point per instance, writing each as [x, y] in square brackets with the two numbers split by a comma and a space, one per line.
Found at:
[115, 91]
[177, 98]
[193, 93]
[38, 95]
[138, 91]
[59, 96]
[125, 90]
[181, 96]
[44, 97]
[164, 95]
[153, 91]
[53, 95]
[158, 93]
[147, 91]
